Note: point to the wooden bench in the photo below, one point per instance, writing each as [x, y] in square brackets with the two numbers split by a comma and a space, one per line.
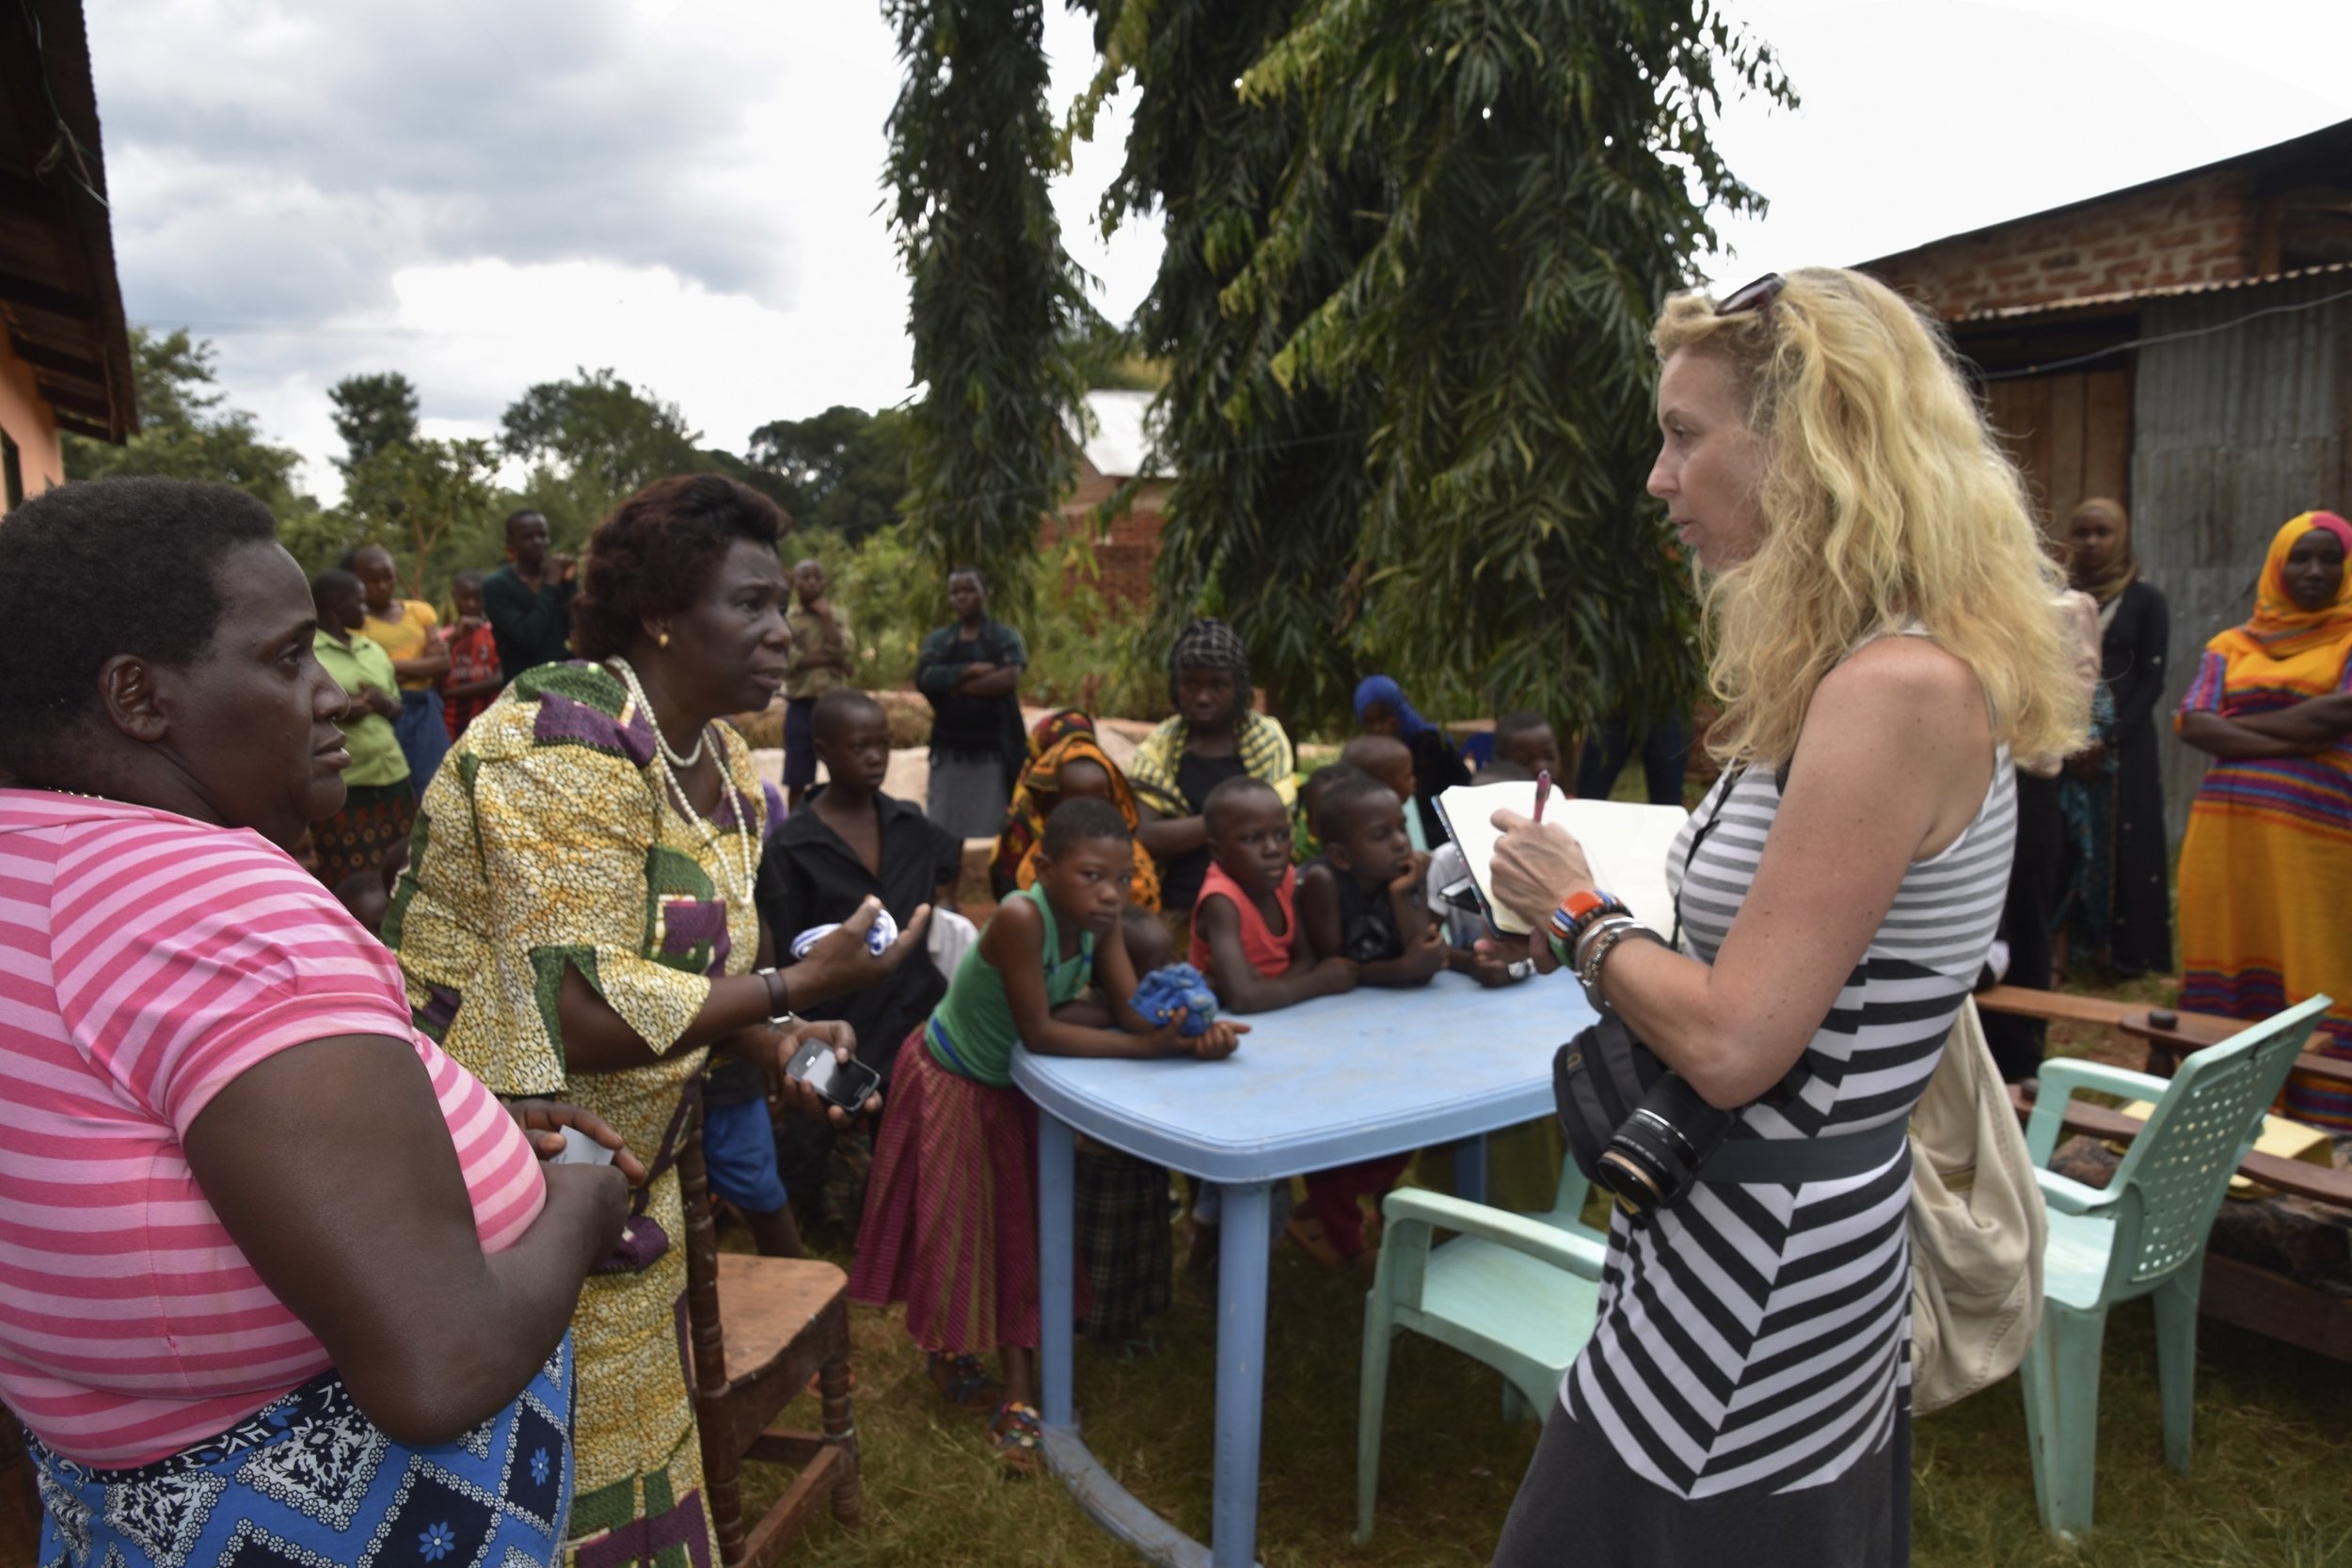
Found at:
[2233, 1292]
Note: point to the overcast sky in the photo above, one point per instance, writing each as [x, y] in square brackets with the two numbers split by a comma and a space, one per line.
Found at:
[484, 196]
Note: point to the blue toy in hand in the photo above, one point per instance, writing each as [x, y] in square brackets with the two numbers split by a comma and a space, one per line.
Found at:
[1173, 985]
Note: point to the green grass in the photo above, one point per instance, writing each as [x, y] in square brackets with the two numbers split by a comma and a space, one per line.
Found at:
[2274, 1436]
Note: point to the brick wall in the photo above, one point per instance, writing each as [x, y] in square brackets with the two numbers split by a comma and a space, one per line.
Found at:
[2196, 230]
[1123, 560]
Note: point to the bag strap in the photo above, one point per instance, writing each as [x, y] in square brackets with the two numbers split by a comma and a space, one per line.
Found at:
[1790, 1160]
[1722, 794]
[668, 1155]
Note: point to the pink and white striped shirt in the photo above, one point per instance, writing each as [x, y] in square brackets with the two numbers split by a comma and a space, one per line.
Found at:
[146, 960]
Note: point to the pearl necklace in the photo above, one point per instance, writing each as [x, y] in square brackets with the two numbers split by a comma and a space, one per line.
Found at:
[672, 790]
[637, 689]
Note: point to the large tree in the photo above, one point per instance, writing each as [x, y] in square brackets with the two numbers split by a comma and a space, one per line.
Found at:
[187, 431]
[1413, 250]
[843, 471]
[433, 504]
[993, 296]
[590, 441]
[372, 412]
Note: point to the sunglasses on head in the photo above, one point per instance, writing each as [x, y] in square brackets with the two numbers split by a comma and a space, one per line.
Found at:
[1757, 295]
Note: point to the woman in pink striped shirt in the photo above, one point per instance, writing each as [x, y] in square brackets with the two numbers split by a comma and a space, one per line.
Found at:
[279, 1282]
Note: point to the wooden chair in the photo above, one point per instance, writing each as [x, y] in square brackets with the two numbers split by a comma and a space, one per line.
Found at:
[784, 1321]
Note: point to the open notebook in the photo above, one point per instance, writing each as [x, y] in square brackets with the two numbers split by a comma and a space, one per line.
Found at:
[1627, 844]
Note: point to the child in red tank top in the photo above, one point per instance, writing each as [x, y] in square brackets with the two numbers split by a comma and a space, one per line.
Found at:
[1246, 936]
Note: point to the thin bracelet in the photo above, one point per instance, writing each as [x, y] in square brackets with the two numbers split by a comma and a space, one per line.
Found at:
[780, 1013]
[1590, 974]
[1591, 934]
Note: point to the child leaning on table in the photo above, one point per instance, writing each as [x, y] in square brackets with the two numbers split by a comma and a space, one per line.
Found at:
[1246, 939]
[1363, 899]
[951, 1225]
[1245, 928]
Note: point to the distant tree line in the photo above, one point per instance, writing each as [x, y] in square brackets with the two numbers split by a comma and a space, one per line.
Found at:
[440, 505]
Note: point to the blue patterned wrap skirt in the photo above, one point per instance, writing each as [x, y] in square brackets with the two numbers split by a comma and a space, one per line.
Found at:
[308, 1482]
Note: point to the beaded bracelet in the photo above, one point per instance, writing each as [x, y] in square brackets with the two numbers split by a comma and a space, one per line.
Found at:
[1578, 913]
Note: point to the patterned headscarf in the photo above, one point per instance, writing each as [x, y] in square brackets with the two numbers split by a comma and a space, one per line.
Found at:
[2281, 628]
[1058, 739]
[1209, 644]
[1385, 692]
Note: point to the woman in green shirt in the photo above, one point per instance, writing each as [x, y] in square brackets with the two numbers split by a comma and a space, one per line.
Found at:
[380, 804]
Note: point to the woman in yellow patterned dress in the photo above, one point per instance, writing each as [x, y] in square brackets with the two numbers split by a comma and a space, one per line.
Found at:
[576, 916]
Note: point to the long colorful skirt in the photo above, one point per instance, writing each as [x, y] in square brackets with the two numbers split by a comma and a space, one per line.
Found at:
[308, 1482]
[374, 818]
[951, 1225]
[2265, 877]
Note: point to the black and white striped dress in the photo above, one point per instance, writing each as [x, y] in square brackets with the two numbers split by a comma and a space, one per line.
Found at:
[1754, 1340]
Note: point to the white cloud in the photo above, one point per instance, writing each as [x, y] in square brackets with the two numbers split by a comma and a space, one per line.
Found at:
[482, 196]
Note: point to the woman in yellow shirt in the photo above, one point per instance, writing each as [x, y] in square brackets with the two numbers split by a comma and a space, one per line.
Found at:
[410, 631]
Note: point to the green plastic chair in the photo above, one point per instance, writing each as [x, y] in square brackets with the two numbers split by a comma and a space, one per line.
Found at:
[2142, 1235]
[1516, 1292]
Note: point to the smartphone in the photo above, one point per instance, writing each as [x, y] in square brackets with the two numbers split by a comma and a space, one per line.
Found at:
[848, 1085]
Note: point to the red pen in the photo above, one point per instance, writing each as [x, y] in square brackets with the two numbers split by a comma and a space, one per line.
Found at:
[1543, 792]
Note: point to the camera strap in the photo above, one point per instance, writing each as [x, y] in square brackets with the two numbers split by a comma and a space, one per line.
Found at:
[1790, 1160]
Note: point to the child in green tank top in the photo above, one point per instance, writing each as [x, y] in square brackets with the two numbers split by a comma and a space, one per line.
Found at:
[951, 1225]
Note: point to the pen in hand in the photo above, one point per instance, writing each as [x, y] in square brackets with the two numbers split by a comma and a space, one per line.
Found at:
[1543, 792]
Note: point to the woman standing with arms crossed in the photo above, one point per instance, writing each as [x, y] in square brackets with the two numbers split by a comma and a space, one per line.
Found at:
[578, 917]
[2266, 867]
[1882, 640]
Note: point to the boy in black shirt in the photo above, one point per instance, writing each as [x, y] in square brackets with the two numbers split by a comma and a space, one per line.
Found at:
[849, 842]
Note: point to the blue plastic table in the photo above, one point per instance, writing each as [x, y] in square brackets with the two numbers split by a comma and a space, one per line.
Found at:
[1327, 1084]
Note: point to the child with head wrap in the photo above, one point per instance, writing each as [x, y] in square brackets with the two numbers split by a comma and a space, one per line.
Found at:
[1215, 735]
[1382, 708]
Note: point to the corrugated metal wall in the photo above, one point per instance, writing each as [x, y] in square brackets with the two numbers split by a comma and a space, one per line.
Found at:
[2234, 431]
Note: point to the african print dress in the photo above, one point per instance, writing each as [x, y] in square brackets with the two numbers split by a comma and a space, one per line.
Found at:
[544, 843]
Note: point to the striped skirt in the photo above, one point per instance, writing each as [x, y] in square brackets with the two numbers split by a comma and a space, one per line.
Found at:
[950, 1223]
[308, 1480]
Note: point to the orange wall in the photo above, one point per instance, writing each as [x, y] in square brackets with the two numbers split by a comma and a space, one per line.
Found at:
[29, 424]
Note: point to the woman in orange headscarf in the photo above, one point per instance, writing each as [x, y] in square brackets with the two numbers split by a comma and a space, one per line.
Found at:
[1066, 761]
[2266, 870]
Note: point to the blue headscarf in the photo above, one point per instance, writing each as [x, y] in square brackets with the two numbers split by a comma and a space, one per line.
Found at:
[1381, 690]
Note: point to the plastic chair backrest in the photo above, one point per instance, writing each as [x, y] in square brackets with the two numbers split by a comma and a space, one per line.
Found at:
[2178, 1168]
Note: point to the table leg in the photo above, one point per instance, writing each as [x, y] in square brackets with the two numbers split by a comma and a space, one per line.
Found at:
[1057, 1259]
[1244, 1240]
[1469, 1170]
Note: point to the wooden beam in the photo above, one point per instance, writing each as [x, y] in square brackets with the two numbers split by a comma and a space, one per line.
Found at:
[75, 402]
[19, 289]
[2321, 1183]
[82, 367]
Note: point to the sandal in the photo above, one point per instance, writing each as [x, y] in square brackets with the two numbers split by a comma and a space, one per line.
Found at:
[1018, 1437]
[963, 1381]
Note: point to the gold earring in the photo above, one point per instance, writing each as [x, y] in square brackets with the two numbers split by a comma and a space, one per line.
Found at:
[663, 642]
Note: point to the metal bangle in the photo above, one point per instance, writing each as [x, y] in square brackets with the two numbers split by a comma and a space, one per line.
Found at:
[1592, 934]
[1602, 946]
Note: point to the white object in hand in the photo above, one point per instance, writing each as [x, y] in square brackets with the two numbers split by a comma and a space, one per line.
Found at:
[878, 940]
[582, 1149]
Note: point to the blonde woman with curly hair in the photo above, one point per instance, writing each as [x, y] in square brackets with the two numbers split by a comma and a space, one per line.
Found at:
[1883, 644]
